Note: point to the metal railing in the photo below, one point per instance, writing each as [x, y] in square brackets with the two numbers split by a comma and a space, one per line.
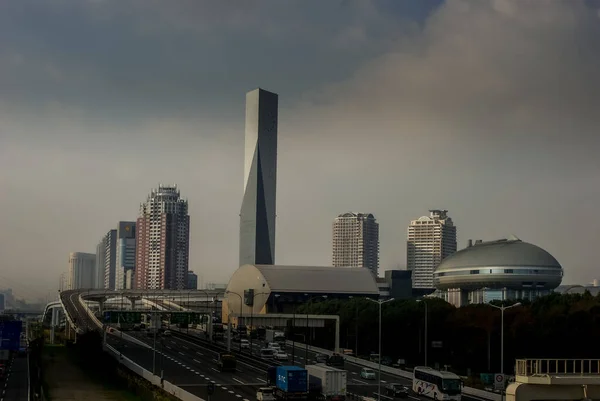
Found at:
[549, 367]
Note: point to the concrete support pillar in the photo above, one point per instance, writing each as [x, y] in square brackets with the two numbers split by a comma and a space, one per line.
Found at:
[54, 322]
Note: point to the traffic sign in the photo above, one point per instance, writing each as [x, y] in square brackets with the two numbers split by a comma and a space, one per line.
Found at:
[499, 381]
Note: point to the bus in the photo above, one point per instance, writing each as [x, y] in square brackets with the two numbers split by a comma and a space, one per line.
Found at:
[438, 385]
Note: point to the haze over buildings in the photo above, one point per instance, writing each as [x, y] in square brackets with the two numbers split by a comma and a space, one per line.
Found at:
[82, 270]
[356, 241]
[485, 107]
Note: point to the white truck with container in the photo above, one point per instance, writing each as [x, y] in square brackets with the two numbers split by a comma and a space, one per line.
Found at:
[275, 336]
[326, 382]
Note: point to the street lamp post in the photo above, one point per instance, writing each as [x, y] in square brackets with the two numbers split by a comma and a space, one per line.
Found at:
[426, 320]
[229, 320]
[307, 333]
[502, 309]
[380, 302]
[252, 318]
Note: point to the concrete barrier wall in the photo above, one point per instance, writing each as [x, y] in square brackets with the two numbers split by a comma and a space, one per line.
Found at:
[474, 392]
[68, 317]
[147, 375]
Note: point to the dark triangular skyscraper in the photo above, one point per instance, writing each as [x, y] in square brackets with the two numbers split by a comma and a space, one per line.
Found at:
[257, 215]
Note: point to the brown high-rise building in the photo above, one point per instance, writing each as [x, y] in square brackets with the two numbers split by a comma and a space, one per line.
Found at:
[162, 241]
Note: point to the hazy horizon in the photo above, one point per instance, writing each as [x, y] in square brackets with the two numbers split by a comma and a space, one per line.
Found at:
[485, 109]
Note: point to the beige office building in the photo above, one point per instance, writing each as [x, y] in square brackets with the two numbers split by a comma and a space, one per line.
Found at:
[430, 239]
[356, 241]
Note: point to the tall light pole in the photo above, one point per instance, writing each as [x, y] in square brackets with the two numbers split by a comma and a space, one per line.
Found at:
[229, 313]
[502, 309]
[307, 333]
[252, 318]
[380, 302]
[426, 320]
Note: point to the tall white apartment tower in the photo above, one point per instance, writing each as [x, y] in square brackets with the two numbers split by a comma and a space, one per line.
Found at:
[82, 270]
[430, 240]
[356, 241]
[162, 241]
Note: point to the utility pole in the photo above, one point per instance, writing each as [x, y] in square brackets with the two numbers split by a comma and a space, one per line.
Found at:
[380, 302]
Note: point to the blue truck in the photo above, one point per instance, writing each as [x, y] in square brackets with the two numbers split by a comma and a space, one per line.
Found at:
[291, 383]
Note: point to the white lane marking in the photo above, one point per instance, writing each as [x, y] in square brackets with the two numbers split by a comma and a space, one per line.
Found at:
[354, 373]
[181, 353]
[264, 381]
[238, 396]
[199, 353]
[169, 347]
[224, 388]
[215, 360]
[184, 347]
[245, 399]
[239, 381]
[217, 370]
[197, 361]
[356, 380]
[230, 391]
[383, 381]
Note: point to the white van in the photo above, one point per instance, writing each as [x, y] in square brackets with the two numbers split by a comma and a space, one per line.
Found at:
[267, 353]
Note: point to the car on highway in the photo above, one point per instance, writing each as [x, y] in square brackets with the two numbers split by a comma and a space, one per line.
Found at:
[244, 344]
[396, 390]
[367, 373]
[281, 356]
[321, 358]
[267, 353]
[274, 346]
[265, 394]
[166, 333]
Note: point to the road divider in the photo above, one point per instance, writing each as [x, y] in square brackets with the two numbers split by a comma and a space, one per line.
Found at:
[167, 386]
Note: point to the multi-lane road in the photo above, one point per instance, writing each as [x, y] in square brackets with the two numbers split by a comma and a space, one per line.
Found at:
[15, 386]
[191, 366]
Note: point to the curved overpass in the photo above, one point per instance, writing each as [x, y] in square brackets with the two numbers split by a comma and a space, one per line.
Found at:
[81, 319]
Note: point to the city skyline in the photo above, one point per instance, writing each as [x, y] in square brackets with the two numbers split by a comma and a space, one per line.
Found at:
[482, 108]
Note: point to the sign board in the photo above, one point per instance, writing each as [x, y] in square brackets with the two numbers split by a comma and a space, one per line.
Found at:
[10, 334]
[436, 344]
[499, 381]
[487, 378]
[122, 317]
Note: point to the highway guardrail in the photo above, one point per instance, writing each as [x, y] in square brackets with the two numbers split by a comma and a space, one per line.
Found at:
[149, 376]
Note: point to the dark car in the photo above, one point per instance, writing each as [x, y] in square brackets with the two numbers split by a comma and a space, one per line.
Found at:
[321, 358]
[386, 361]
[335, 360]
[396, 390]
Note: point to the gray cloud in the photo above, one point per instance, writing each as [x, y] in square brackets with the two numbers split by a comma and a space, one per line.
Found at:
[484, 108]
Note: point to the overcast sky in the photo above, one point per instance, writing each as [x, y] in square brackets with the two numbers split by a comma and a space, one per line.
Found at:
[490, 109]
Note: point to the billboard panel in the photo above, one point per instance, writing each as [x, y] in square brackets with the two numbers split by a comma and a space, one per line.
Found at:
[10, 334]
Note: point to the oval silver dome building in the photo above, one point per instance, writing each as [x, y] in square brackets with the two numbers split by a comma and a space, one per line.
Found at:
[497, 270]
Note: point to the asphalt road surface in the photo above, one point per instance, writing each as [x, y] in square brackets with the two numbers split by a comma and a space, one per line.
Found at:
[356, 384]
[16, 384]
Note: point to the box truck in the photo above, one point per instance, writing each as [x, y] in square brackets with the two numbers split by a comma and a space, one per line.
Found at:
[326, 382]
